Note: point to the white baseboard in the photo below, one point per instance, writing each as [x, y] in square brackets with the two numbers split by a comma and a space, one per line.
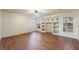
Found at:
[14, 34]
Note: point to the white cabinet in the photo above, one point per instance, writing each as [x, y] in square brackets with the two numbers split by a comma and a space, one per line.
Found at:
[49, 27]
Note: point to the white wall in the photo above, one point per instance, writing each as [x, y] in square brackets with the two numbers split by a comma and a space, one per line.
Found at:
[78, 29]
[0, 23]
[13, 24]
[75, 15]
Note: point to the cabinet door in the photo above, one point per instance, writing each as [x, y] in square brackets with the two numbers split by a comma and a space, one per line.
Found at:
[49, 27]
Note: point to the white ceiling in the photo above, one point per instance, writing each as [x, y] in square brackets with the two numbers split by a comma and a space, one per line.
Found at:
[43, 12]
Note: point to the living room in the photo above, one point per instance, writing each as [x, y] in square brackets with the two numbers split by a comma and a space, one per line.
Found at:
[44, 29]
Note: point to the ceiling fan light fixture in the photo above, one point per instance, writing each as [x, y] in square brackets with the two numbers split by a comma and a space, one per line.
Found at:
[36, 11]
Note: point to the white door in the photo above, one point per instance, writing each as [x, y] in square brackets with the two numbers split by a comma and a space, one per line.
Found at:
[49, 27]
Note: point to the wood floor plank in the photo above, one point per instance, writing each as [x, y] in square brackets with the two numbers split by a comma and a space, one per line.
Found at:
[38, 41]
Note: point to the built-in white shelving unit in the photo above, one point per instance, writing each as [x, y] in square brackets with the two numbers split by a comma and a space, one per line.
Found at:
[54, 21]
[43, 26]
[61, 25]
[55, 27]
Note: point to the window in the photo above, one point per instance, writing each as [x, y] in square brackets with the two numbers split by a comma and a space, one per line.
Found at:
[68, 24]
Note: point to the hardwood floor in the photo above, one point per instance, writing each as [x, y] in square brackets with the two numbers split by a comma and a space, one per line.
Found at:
[38, 41]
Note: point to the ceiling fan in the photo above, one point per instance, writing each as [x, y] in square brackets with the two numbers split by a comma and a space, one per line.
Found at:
[38, 12]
